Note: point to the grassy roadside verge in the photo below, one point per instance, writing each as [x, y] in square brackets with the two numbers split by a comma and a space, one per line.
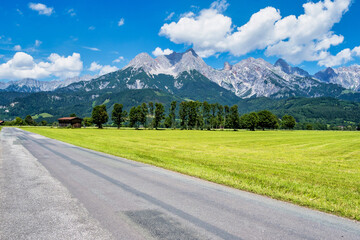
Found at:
[320, 170]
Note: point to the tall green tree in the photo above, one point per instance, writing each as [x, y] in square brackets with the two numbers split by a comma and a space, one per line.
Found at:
[199, 116]
[227, 120]
[43, 123]
[170, 120]
[151, 109]
[220, 116]
[234, 119]
[183, 114]
[73, 115]
[87, 121]
[249, 121]
[99, 115]
[18, 121]
[144, 111]
[118, 115]
[172, 114]
[134, 117]
[192, 114]
[159, 114]
[288, 122]
[206, 108]
[213, 120]
[267, 120]
[29, 120]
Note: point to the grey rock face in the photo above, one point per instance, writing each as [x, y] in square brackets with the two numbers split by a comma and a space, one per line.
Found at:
[347, 77]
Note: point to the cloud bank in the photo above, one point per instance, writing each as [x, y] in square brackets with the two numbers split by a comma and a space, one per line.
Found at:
[22, 65]
[307, 37]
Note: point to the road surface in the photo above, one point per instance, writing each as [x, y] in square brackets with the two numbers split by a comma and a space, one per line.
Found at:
[54, 190]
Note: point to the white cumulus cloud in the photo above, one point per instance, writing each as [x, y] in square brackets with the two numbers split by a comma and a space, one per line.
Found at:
[108, 69]
[22, 65]
[94, 67]
[356, 51]
[42, 9]
[307, 37]
[119, 59]
[121, 22]
[158, 51]
[17, 48]
[342, 57]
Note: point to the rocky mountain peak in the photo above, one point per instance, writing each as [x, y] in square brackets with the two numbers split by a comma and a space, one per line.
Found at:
[192, 51]
[347, 77]
[140, 59]
[326, 75]
[227, 66]
[286, 68]
[144, 61]
[283, 65]
[253, 62]
[175, 57]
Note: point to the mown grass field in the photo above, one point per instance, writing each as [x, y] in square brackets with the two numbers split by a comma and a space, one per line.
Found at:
[320, 170]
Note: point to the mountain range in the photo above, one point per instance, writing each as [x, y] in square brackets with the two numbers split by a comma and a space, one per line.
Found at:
[29, 85]
[248, 78]
[178, 76]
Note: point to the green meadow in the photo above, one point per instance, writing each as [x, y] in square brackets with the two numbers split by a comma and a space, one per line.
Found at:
[316, 169]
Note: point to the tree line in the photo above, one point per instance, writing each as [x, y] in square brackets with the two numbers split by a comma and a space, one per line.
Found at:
[190, 115]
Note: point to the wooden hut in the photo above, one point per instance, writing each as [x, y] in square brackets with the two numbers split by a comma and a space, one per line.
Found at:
[74, 122]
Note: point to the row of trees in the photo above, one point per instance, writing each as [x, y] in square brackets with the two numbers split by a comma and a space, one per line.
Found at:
[27, 121]
[191, 115]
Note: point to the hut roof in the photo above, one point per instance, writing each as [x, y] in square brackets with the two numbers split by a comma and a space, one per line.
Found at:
[69, 118]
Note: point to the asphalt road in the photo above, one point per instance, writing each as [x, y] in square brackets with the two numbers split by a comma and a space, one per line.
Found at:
[54, 190]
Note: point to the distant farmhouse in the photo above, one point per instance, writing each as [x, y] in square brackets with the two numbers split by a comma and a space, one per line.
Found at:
[2, 122]
[74, 122]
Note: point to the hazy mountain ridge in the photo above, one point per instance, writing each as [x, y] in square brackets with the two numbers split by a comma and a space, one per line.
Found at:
[30, 85]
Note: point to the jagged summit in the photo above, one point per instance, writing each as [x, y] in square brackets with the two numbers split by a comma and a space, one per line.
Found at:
[192, 51]
[227, 66]
[285, 67]
[172, 64]
[175, 57]
[326, 75]
[347, 77]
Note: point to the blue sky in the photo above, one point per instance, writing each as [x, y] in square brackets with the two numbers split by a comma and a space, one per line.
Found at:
[59, 39]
